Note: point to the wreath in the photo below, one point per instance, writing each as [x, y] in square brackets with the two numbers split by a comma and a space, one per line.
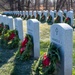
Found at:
[49, 20]
[54, 14]
[29, 17]
[64, 18]
[1, 28]
[58, 19]
[37, 16]
[68, 21]
[43, 18]
[33, 16]
[47, 64]
[25, 48]
[9, 39]
[65, 14]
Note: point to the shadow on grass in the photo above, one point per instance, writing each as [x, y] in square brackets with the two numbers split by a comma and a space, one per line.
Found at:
[22, 67]
[5, 55]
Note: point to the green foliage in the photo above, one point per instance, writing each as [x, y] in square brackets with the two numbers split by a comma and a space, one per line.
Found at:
[5, 42]
[27, 50]
[39, 69]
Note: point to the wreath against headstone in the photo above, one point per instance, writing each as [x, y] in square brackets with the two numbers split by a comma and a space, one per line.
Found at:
[57, 19]
[49, 20]
[64, 17]
[33, 17]
[25, 48]
[37, 16]
[43, 18]
[29, 17]
[47, 64]
[68, 21]
[10, 39]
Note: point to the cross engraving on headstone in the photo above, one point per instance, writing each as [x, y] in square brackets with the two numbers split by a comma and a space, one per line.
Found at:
[56, 30]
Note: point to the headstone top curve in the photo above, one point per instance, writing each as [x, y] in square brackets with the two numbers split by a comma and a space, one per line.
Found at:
[63, 25]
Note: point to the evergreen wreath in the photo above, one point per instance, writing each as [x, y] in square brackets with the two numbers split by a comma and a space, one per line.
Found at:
[29, 17]
[68, 21]
[33, 16]
[9, 39]
[47, 64]
[25, 48]
[43, 18]
[58, 19]
[49, 20]
[37, 16]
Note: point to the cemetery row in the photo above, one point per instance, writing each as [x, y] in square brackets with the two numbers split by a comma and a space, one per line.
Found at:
[59, 53]
[45, 16]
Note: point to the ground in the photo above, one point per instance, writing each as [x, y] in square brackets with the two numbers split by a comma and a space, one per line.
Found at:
[10, 66]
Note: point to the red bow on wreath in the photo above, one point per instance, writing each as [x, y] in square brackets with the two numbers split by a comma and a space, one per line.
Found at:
[67, 19]
[46, 60]
[22, 50]
[12, 35]
[24, 42]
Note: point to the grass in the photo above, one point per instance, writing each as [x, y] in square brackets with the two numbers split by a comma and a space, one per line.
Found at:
[10, 66]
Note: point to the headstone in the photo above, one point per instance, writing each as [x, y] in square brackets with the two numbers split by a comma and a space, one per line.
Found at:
[11, 23]
[34, 13]
[30, 13]
[40, 12]
[19, 27]
[4, 20]
[60, 13]
[26, 13]
[61, 35]
[23, 13]
[46, 14]
[33, 30]
[71, 15]
[52, 14]
[65, 11]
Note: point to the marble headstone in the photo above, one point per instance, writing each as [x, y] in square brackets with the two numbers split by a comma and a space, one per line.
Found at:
[19, 28]
[52, 14]
[33, 30]
[62, 35]
[71, 15]
[11, 23]
[60, 13]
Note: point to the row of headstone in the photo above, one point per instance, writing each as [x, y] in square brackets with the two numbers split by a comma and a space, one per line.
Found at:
[61, 34]
[69, 14]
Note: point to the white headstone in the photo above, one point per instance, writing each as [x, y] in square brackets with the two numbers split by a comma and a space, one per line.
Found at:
[19, 27]
[52, 14]
[40, 12]
[71, 15]
[30, 13]
[34, 13]
[11, 23]
[33, 30]
[46, 14]
[4, 20]
[60, 13]
[61, 35]
[26, 13]
[65, 11]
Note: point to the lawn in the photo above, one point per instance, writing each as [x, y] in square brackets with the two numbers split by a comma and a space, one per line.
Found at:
[10, 66]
